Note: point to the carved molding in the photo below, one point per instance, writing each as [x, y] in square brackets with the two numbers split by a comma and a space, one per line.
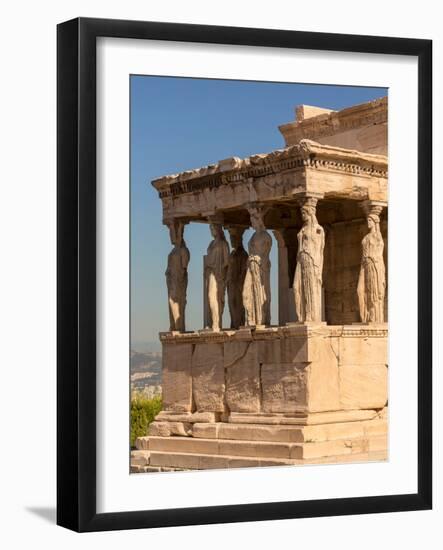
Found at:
[306, 155]
[292, 330]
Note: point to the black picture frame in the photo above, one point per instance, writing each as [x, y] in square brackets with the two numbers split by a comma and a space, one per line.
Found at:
[76, 280]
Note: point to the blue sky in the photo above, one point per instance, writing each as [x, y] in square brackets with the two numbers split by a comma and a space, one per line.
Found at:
[183, 123]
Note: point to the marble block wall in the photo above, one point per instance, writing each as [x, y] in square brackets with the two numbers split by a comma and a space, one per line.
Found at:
[283, 370]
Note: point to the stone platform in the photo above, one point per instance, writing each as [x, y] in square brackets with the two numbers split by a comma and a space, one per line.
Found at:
[300, 394]
[360, 436]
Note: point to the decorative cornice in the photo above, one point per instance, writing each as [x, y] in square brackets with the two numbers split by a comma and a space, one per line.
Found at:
[292, 330]
[307, 154]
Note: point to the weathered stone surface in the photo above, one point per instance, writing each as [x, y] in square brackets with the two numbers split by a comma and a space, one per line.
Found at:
[137, 469]
[254, 432]
[208, 377]
[269, 350]
[266, 449]
[303, 419]
[363, 386]
[362, 127]
[339, 172]
[303, 434]
[330, 448]
[377, 426]
[139, 458]
[242, 376]
[284, 387]
[322, 377]
[142, 443]
[303, 112]
[176, 377]
[294, 349]
[170, 428]
[328, 432]
[363, 351]
[166, 416]
[203, 462]
[184, 445]
[205, 430]
[258, 449]
[378, 443]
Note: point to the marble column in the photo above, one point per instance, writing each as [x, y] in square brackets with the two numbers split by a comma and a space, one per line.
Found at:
[308, 278]
[257, 286]
[371, 286]
[177, 276]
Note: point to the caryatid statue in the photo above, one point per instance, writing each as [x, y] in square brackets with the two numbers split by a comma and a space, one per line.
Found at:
[236, 276]
[177, 276]
[216, 270]
[257, 286]
[309, 269]
[372, 279]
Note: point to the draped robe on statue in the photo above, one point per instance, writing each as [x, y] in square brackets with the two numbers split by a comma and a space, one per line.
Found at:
[217, 259]
[257, 286]
[372, 279]
[177, 282]
[308, 273]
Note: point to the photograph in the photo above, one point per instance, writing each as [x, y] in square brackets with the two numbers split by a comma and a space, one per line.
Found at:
[258, 274]
[221, 255]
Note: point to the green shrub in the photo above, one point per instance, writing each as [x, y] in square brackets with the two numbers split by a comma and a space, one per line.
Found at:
[143, 412]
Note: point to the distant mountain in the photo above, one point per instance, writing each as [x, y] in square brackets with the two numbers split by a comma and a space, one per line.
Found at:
[146, 373]
[147, 346]
[141, 360]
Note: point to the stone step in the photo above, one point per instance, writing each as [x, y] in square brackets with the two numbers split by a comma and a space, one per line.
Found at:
[266, 449]
[139, 458]
[303, 419]
[290, 434]
[200, 461]
[149, 469]
[166, 461]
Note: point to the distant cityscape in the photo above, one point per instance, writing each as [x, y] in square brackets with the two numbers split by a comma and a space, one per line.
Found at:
[146, 373]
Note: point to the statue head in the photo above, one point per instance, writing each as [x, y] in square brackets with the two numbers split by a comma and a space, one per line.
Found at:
[216, 230]
[236, 236]
[308, 211]
[373, 221]
[257, 214]
[176, 229]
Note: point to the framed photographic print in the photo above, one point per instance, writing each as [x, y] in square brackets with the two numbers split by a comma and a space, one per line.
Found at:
[244, 274]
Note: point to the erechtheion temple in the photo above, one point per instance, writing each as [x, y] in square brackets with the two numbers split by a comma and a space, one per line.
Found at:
[312, 389]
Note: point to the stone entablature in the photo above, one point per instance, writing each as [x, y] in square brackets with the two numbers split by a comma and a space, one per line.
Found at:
[278, 175]
[361, 126]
